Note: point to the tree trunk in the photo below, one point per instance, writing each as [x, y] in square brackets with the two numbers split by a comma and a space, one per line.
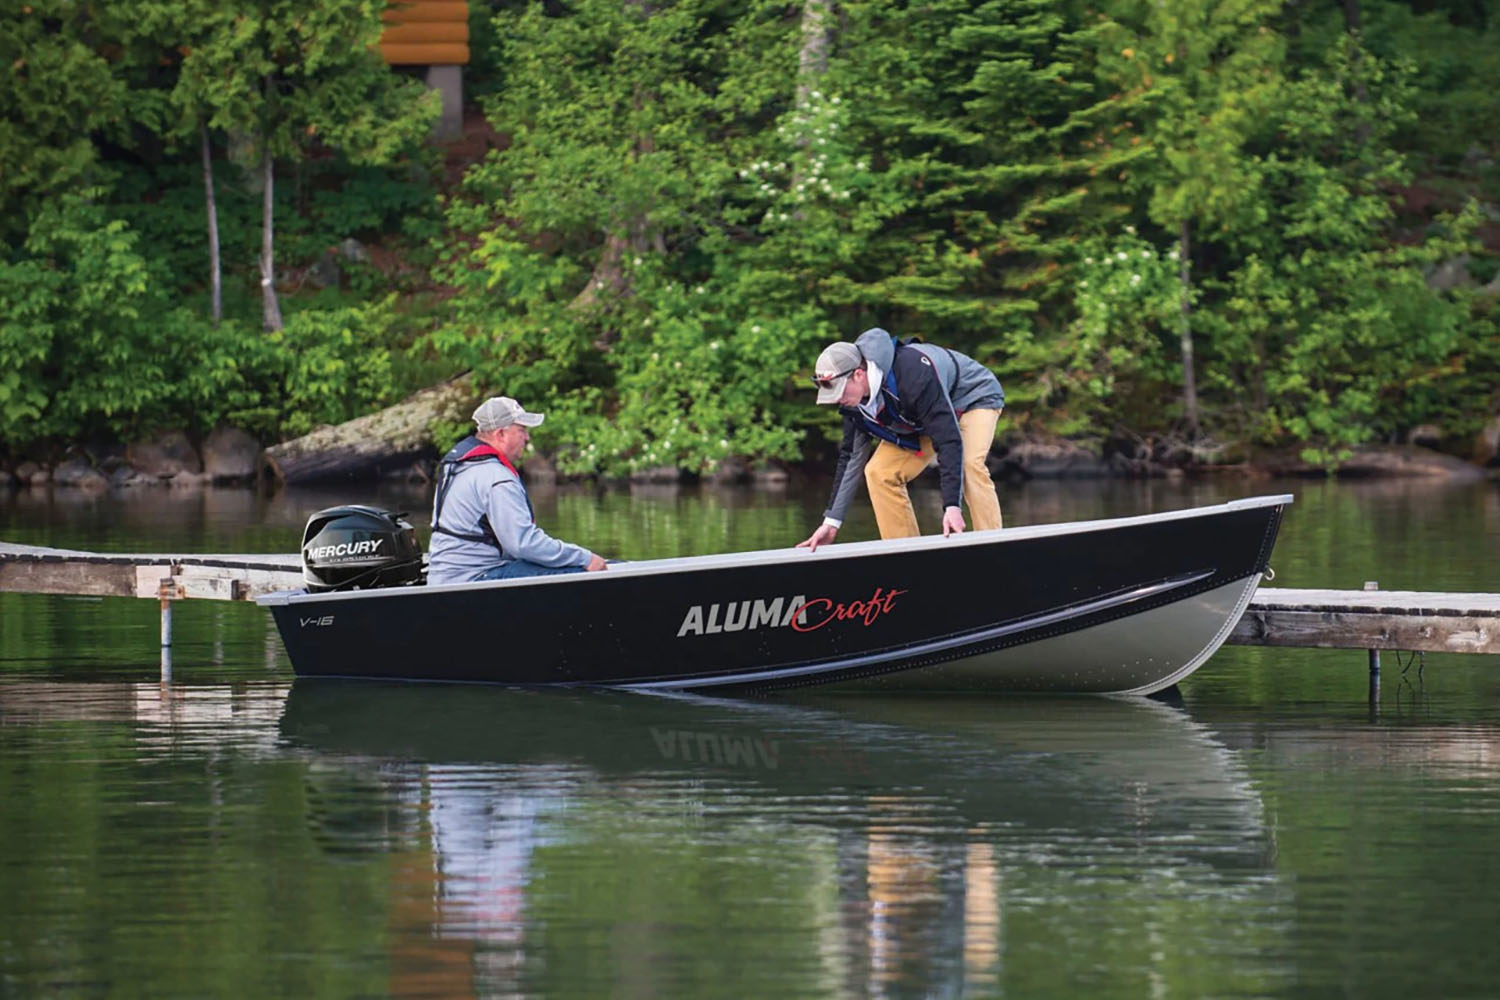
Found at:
[812, 59]
[215, 272]
[392, 440]
[1189, 384]
[812, 66]
[609, 277]
[1361, 92]
[270, 305]
[630, 235]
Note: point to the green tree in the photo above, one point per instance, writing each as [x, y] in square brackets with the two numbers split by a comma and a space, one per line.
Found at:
[85, 331]
[917, 168]
[293, 76]
[1117, 368]
[994, 149]
[1449, 61]
[971, 119]
[602, 276]
[1326, 325]
[58, 91]
[95, 334]
[1203, 77]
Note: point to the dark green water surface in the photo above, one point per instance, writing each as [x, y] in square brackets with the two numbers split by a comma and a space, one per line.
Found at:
[235, 834]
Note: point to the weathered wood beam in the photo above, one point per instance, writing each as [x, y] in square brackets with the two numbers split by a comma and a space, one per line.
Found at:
[1415, 621]
[214, 583]
[75, 578]
[34, 570]
[1331, 630]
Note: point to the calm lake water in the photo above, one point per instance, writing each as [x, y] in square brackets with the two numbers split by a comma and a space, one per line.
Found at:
[233, 834]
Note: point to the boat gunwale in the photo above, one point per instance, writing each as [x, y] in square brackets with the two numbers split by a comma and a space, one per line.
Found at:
[781, 556]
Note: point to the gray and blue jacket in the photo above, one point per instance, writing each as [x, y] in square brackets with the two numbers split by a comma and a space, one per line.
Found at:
[923, 391]
[482, 519]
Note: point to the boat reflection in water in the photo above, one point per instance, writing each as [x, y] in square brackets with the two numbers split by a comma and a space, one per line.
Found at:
[612, 843]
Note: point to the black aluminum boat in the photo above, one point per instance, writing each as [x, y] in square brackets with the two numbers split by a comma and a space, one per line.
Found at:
[1126, 605]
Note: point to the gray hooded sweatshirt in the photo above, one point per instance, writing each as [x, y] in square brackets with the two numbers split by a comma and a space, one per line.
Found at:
[491, 489]
[936, 386]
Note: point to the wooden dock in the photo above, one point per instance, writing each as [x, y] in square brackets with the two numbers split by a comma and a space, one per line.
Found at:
[1405, 620]
[30, 569]
[1375, 620]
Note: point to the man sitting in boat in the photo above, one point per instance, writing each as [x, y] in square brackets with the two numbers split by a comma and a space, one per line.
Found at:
[913, 402]
[482, 523]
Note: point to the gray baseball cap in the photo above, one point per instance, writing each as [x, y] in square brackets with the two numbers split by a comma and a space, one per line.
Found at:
[499, 412]
[838, 361]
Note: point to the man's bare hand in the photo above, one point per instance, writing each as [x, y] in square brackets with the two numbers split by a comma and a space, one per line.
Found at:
[596, 564]
[953, 521]
[823, 536]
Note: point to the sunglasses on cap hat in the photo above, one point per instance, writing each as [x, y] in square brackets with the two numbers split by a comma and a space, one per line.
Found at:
[827, 381]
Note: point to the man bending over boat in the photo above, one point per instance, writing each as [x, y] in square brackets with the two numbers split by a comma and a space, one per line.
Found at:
[482, 523]
[913, 402]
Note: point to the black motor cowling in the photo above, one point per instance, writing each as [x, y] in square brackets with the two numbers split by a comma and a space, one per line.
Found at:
[356, 548]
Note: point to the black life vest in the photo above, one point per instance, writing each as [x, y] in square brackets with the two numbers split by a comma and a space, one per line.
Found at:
[887, 424]
[467, 452]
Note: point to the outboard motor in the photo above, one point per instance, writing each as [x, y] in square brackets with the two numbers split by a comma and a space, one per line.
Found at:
[357, 548]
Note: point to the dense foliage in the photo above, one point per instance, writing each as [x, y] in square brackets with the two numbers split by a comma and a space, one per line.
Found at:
[1232, 222]
[105, 329]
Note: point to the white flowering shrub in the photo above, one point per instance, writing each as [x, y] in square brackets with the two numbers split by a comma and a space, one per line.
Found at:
[1127, 297]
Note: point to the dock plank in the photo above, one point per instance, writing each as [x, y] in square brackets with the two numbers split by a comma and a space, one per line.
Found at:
[1378, 601]
[33, 569]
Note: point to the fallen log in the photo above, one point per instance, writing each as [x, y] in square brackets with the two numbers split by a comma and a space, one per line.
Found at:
[1381, 461]
[371, 446]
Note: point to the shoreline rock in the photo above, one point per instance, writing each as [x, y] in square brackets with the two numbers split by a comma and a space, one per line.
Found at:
[230, 457]
[79, 473]
[166, 456]
[1486, 450]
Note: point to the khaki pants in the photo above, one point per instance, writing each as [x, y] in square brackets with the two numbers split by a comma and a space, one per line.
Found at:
[892, 467]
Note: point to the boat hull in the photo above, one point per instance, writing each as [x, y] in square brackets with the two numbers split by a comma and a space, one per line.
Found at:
[1129, 605]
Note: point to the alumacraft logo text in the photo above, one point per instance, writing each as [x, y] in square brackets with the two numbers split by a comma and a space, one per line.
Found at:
[798, 613]
[366, 548]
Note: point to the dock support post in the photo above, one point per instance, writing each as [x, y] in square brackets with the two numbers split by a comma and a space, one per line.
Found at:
[1374, 664]
[167, 591]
